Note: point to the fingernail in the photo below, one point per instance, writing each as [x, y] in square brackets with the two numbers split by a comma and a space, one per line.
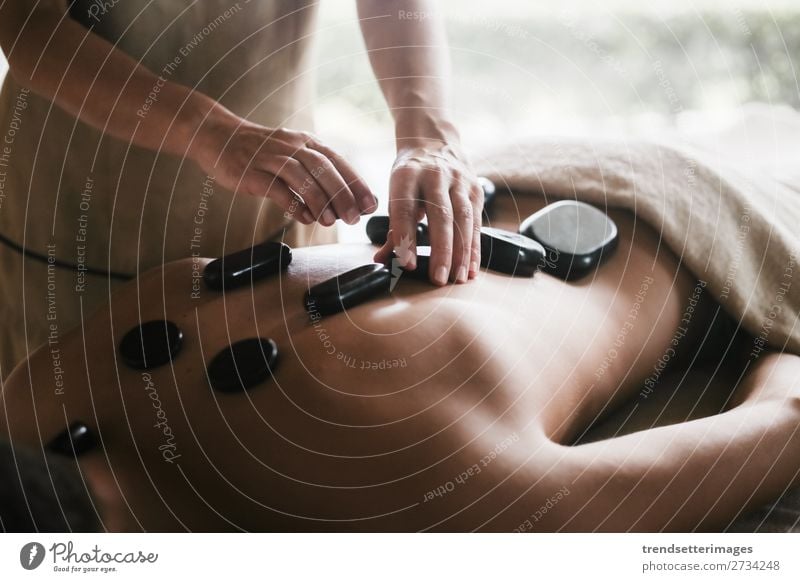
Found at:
[307, 216]
[461, 275]
[353, 216]
[328, 216]
[474, 267]
[441, 275]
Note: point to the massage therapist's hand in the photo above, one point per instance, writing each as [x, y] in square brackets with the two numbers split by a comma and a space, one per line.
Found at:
[306, 178]
[432, 177]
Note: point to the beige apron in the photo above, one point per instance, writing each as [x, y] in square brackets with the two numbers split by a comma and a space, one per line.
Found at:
[82, 204]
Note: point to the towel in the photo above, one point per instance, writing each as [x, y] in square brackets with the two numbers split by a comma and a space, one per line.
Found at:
[728, 205]
[735, 229]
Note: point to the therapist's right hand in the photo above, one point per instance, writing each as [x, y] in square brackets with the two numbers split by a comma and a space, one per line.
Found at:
[306, 178]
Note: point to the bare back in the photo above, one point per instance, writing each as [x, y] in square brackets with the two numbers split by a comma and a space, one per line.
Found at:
[371, 412]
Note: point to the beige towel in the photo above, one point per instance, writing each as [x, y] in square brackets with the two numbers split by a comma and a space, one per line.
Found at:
[738, 233]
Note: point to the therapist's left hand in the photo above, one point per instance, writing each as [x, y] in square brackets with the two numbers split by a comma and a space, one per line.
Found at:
[433, 178]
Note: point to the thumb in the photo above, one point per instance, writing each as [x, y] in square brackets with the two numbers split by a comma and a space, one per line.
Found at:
[384, 254]
[403, 250]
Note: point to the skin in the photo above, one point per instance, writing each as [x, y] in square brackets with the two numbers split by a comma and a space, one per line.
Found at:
[501, 377]
[61, 60]
[431, 175]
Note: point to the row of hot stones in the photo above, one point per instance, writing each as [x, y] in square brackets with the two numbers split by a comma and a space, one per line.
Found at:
[567, 239]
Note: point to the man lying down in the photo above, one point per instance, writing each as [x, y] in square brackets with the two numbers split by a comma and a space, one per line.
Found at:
[422, 408]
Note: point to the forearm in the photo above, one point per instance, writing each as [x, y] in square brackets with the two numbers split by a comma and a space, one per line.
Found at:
[700, 474]
[85, 75]
[410, 59]
[697, 474]
[431, 175]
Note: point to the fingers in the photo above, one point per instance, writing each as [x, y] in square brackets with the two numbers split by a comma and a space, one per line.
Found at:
[438, 207]
[330, 187]
[246, 155]
[366, 200]
[403, 204]
[452, 200]
[476, 199]
[463, 229]
[262, 184]
[331, 183]
[332, 174]
[383, 254]
[297, 177]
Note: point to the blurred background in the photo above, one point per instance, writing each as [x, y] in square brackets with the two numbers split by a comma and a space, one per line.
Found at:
[575, 67]
[571, 67]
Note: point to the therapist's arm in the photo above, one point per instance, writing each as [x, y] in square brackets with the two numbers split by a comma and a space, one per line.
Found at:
[408, 51]
[88, 77]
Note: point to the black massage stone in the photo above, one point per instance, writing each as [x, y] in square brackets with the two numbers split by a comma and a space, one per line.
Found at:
[510, 253]
[348, 289]
[151, 344]
[378, 230]
[246, 266]
[74, 441]
[243, 365]
[576, 236]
